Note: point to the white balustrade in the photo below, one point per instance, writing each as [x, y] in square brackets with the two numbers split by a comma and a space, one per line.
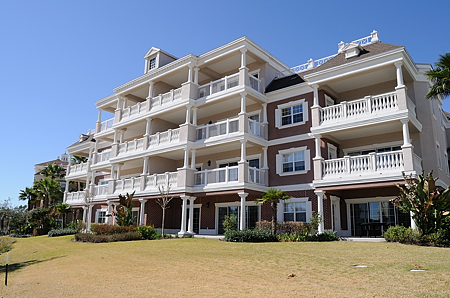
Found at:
[166, 137]
[100, 190]
[156, 180]
[78, 197]
[255, 128]
[127, 184]
[373, 162]
[106, 124]
[136, 109]
[355, 108]
[218, 85]
[166, 98]
[103, 156]
[219, 175]
[217, 129]
[254, 82]
[256, 175]
[131, 146]
[78, 168]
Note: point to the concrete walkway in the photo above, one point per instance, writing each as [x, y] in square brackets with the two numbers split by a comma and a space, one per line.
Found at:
[209, 236]
[363, 239]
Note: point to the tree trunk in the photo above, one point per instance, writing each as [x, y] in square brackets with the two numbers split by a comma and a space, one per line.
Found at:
[274, 217]
[162, 225]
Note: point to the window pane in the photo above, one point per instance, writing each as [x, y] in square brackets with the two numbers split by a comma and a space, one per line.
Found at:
[286, 112]
[289, 207]
[286, 120]
[300, 216]
[300, 207]
[297, 118]
[299, 156]
[300, 166]
[288, 167]
[289, 217]
[297, 109]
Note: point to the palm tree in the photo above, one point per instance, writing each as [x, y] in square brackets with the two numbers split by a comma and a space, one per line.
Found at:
[48, 190]
[63, 209]
[440, 78]
[53, 171]
[273, 196]
[79, 159]
[28, 194]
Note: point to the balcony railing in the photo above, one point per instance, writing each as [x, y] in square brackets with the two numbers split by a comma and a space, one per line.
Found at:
[131, 146]
[373, 162]
[103, 156]
[216, 129]
[220, 175]
[169, 136]
[353, 109]
[254, 82]
[166, 98]
[256, 175]
[81, 168]
[134, 110]
[255, 128]
[101, 190]
[220, 85]
[78, 197]
[163, 180]
[127, 184]
[106, 124]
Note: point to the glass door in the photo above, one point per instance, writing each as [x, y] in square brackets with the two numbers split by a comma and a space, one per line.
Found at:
[251, 216]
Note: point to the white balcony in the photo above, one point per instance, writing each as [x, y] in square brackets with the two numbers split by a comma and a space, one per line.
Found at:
[219, 175]
[105, 125]
[256, 176]
[78, 169]
[166, 98]
[373, 164]
[217, 129]
[255, 128]
[131, 146]
[100, 190]
[103, 157]
[152, 182]
[76, 198]
[166, 137]
[361, 108]
[222, 84]
[136, 109]
[127, 185]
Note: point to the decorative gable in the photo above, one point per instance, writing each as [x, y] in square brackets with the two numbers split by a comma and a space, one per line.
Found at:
[351, 49]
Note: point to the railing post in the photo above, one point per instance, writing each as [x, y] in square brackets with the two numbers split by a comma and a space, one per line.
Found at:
[347, 164]
[368, 104]
[344, 109]
[172, 95]
[169, 135]
[373, 161]
[226, 83]
[157, 138]
[210, 88]
[207, 131]
[160, 99]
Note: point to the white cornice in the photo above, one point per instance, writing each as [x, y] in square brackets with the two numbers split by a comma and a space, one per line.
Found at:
[291, 139]
[290, 91]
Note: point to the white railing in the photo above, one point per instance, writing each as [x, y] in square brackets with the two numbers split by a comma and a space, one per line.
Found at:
[417, 162]
[220, 85]
[78, 168]
[254, 82]
[105, 155]
[166, 98]
[256, 175]
[76, 197]
[156, 180]
[220, 175]
[255, 128]
[217, 129]
[100, 190]
[373, 162]
[127, 184]
[310, 64]
[134, 110]
[106, 124]
[169, 136]
[355, 108]
[131, 146]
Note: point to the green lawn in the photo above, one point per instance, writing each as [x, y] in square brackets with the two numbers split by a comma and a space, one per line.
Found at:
[56, 267]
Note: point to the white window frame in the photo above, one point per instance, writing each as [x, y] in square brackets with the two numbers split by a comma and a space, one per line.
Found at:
[279, 161]
[138, 210]
[278, 113]
[97, 215]
[150, 63]
[447, 169]
[280, 207]
[439, 159]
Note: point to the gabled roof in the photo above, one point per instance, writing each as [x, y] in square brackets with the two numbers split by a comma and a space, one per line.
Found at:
[280, 83]
[154, 51]
[84, 139]
[368, 51]
[57, 161]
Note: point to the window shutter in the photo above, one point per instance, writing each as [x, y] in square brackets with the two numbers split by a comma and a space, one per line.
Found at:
[279, 162]
[277, 118]
[308, 211]
[307, 160]
[305, 111]
[280, 211]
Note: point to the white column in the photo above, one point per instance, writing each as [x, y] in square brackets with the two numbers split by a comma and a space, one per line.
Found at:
[188, 114]
[125, 102]
[85, 208]
[119, 103]
[406, 139]
[148, 126]
[243, 151]
[150, 89]
[190, 73]
[194, 115]
[317, 143]
[112, 172]
[264, 113]
[243, 58]
[265, 160]
[116, 132]
[183, 215]
[193, 151]
[142, 212]
[89, 218]
[196, 69]
[319, 194]
[413, 223]
[109, 217]
[145, 166]
[186, 158]
[243, 103]
[398, 66]
[99, 119]
[191, 215]
[119, 166]
[316, 94]
[242, 220]
[122, 133]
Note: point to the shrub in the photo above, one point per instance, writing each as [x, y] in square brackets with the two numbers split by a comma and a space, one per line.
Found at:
[61, 232]
[147, 232]
[77, 225]
[6, 244]
[229, 223]
[401, 234]
[256, 235]
[94, 238]
[102, 229]
[326, 236]
[287, 227]
[19, 235]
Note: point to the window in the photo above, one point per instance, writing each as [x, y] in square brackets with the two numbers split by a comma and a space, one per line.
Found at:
[377, 150]
[291, 114]
[447, 168]
[135, 216]
[152, 63]
[293, 161]
[295, 211]
[101, 216]
[438, 152]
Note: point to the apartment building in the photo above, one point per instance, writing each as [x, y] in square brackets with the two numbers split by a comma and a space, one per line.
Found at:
[219, 129]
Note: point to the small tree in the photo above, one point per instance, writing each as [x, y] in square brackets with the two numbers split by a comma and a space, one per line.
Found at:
[273, 196]
[63, 209]
[164, 201]
[53, 171]
[424, 200]
[124, 211]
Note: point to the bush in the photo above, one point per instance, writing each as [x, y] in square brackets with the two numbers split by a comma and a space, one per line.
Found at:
[103, 229]
[326, 236]
[256, 235]
[94, 238]
[20, 235]
[148, 232]
[61, 232]
[287, 227]
[229, 223]
[77, 225]
[402, 234]
[6, 244]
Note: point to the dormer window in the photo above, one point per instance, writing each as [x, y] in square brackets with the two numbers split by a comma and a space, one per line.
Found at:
[152, 63]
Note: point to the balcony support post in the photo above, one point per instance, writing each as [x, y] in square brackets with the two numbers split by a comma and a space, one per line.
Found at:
[188, 114]
[85, 208]
[243, 70]
[320, 194]
[191, 216]
[89, 218]
[193, 151]
[109, 214]
[407, 148]
[118, 111]
[242, 220]
[98, 124]
[190, 72]
[315, 109]
[182, 231]
[399, 73]
[194, 116]
[318, 160]
[142, 212]
[196, 69]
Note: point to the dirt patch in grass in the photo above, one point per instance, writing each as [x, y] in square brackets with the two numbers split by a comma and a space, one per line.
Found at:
[54, 267]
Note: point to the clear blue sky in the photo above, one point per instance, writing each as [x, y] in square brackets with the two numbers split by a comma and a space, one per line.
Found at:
[58, 57]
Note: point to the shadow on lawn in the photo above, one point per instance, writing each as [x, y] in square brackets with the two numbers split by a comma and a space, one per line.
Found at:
[16, 266]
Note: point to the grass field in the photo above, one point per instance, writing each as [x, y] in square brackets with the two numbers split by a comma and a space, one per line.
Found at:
[56, 267]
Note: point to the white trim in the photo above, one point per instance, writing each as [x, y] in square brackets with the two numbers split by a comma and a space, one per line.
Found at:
[97, 214]
[280, 207]
[439, 158]
[279, 160]
[372, 147]
[278, 114]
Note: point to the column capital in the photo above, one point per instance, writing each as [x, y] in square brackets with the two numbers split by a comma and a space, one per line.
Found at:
[243, 50]
[398, 64]
[243, 195]
[243, 94]
[404, 121]
[184, 197]
[319, 192]
[143, 201]
[315, 86]
[192, 199]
